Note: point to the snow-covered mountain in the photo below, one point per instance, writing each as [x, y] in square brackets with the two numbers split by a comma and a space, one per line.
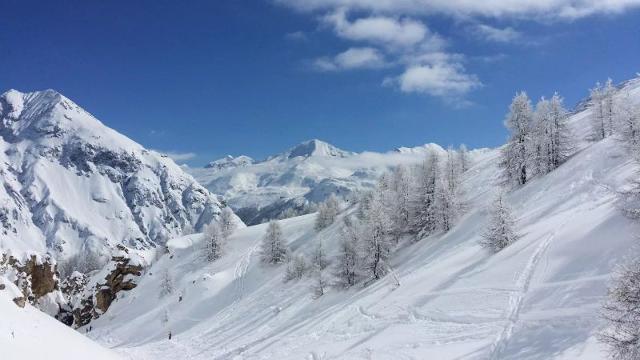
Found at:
[78, 196]
[448, 298]
[73, 185]
[297, 179]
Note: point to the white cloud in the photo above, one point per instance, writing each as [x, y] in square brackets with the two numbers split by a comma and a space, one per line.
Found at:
[439, 77]
[388, 31]
[490, 33]
[399, 42]
[353, 58]
[539, 9]
[178, 156]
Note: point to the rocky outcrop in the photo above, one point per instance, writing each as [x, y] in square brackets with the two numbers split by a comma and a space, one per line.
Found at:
[115, 282]
[35, 276]
[91, 300]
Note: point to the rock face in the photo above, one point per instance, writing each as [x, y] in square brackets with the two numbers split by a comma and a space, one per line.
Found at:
[89, 298]
[37, 279]
[115, 282]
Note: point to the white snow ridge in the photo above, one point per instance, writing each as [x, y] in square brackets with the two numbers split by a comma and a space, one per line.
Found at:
[184, 283]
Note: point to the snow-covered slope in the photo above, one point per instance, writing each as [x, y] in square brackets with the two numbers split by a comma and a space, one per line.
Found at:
[299, 178]
[27, 333]
[537, 299]
[72, 186]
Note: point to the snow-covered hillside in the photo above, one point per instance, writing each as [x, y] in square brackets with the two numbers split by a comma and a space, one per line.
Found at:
[73, 186]
[298, 178]
[27, 333]
[539, 298]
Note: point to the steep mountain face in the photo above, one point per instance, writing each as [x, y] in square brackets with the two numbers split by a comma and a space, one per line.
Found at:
[294, 181]
[72, 186]
[447, 298]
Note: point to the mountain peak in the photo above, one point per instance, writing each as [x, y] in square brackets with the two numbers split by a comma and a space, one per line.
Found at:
[315, 147]
[229, 162]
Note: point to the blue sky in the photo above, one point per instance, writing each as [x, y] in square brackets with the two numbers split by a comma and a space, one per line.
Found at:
[202, 79]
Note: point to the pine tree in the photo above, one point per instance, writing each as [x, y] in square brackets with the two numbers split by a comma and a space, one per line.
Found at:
[227, 223]
[166, 284]
[622, 313]
[551, 142]
[603, 110]
[423, 207]
[446, 208]
[296, 268]
[214, 242]
[348, 258]
[319, 257]
[327, 212]
[319, 281]
[629, 123]
[500, 231]
[274, 250]
[515, 156]
[377, 244]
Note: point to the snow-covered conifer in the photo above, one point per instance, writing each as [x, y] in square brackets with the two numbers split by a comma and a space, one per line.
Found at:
[274, 249]
[296, 267]
[319, 257]
[516, 155]
[603, 111]
[327, 212]
[628, 123]
[500, 231]
[446, 208]
[214, 242]
[377, 244]
[423, 205]
[227, 222]
[622, 313]
[348, 258]
[166, 283]
[319, 281]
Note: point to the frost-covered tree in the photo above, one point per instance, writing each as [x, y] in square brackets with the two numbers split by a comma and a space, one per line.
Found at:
[348, 258]
[296, 267]
[319, 257]
[214, 242]
[320, 282]
[377, 244]
[516, 157]
[327, 212]
[274, 249]
[423, 205]
[227, 222]
[166, 283]
[463, 155]
[452, 171]
[603, 110]
[447, 208]
[622, 313]
[628, 123]
[551, 142]
[364, 203]
[500, 231]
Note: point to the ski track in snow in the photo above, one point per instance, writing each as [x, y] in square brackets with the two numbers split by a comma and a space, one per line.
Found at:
[516, 299]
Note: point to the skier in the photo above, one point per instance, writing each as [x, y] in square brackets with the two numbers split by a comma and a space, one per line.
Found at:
[169, 335]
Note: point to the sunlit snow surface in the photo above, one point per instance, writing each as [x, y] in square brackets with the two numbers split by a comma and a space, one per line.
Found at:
[537, 299]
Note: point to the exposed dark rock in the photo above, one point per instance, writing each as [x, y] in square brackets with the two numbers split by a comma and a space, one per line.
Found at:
[20, 301]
